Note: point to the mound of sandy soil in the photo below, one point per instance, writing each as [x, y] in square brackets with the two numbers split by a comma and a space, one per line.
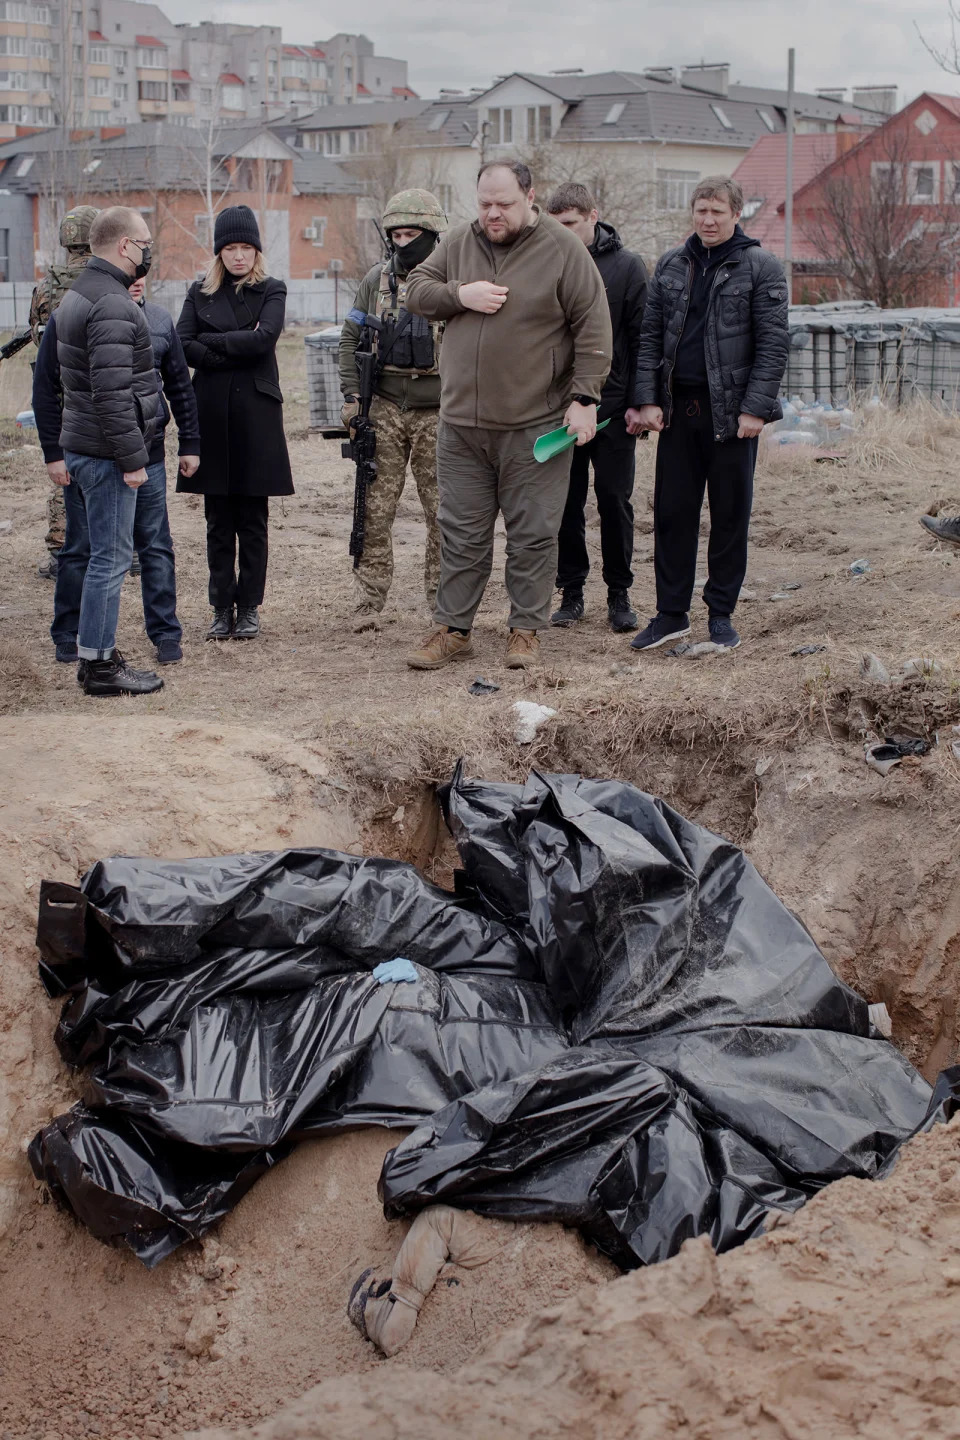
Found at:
[841, 1323]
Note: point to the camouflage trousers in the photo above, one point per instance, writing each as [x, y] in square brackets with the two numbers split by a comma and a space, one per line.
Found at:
[56, 520]
[402, 436]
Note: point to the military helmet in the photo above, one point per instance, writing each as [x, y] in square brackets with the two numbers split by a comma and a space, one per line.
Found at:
[75, 227]
[416, 208]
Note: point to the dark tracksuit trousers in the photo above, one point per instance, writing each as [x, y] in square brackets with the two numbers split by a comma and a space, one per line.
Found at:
[690, 460]
[613, 456]
[237, 523]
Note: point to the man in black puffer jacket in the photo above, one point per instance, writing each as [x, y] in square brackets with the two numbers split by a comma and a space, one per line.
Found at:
[712, 356]
[110, 415]
[612, 451]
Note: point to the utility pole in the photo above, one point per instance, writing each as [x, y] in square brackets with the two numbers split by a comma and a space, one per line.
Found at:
[788, 207]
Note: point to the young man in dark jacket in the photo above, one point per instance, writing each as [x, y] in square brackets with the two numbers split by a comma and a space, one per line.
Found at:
[612, 451]
[110, 409]
[151, 526]
[713, 350]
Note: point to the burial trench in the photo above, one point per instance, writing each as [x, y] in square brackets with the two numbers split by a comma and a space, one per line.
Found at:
[93, 1344]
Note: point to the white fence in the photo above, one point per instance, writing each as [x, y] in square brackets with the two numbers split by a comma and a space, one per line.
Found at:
[308, 301]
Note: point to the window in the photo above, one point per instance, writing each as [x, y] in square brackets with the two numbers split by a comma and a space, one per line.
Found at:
[331, 142]
[272, 73]
[40, 14]
[253, 71]
[439, 120]
[767, 119]
[119, 57]
[98, 85]
[99, 55]
[232, 97]
[532, 123]
[508, 127]
[13, 44]
[493, 127]
[319, 223]
[546, 123]
[206, 95]
[319, 274]
[444, 194]
[181, 90]
[151, 59]
[152, 90]
[886, 180]
[13, 11]
[42, 49]
[13, 80]
[78, 54]
[25, 166]
[43, 114]
[722, 116]
[924, 182]
[15, 114]
[925, 122]
[4, 254]
[675, 188]
[614, 113]
[121, 92]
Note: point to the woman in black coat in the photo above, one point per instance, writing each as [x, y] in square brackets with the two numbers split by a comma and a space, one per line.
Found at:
[229, 327]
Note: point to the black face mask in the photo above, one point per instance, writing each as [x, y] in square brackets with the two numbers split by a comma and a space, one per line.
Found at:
[415, 251]
[146, 260]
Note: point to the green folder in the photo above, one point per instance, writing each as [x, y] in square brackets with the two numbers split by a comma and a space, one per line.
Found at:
[556, 441]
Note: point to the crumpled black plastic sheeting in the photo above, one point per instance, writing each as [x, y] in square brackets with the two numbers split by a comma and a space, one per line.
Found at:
[615, 1024]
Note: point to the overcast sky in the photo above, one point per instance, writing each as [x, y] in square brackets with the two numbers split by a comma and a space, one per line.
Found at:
[461, 43]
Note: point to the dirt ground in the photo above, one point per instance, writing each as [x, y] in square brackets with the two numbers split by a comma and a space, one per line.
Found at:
[317, 734]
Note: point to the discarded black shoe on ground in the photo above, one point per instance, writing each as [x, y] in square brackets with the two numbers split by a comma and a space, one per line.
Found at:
[615, 1023]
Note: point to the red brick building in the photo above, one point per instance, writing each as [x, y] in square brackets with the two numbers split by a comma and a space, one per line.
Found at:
[180, 177]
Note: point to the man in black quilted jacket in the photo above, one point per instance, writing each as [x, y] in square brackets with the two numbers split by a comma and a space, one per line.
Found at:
[110, 413]
[713, 350]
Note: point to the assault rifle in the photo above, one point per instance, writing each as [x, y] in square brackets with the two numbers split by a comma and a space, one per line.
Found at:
[361, 448]
[15, 344]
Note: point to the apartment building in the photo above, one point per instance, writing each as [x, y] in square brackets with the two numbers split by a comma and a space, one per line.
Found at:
[120, 62]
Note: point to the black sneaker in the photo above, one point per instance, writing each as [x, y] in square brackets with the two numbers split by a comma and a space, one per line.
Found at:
[116, 677]
[222, 625]
[945, 527]
[722, 632]
[661, 629]
[67, 653]
[619, 613]
[47, 569]
[169, 652]
[248, 624]
[570, 609]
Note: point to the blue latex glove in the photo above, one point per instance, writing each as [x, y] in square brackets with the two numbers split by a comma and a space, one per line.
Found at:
[392, 971]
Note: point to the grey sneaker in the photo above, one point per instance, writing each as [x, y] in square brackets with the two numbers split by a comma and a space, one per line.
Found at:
[722, 632]
[945, 527]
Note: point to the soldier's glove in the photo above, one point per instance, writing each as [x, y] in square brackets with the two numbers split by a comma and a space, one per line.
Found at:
[349, 410]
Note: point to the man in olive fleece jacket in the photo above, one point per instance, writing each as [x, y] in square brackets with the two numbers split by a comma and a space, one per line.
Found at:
[527, 346]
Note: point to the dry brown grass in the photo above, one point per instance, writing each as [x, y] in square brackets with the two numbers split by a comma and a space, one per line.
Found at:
[22, 683]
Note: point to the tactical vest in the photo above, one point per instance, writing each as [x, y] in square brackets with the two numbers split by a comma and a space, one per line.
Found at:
[49, 292]
[407, 343]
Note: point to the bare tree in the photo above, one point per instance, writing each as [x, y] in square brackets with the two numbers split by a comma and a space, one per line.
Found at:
[886, 231]
[947, 56]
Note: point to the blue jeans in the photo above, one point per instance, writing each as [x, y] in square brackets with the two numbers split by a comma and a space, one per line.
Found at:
[97, 554]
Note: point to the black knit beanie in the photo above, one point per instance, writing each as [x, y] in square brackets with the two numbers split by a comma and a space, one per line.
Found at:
[237, 225]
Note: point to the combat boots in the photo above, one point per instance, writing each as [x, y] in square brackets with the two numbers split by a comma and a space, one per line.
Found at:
[221, 627]
[114, 676]
[523, 649]
[440, 648]
[248, 623]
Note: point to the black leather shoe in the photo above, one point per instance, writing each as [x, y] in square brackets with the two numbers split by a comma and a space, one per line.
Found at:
[248, 624]
[945, 527]
[222, 627]
[619, 613]
[115, 677]
[571, 608]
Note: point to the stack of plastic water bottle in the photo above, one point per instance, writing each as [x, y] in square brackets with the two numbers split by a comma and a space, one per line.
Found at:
[818, 425]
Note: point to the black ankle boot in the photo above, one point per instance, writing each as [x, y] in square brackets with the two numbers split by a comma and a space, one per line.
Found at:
[222, 626]
[248, 623]
[115, 677]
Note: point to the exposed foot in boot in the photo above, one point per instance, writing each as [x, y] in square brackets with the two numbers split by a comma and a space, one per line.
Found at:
[570, 609]
[115, 677]
[619, 613]
[222, 626]
[248, 623]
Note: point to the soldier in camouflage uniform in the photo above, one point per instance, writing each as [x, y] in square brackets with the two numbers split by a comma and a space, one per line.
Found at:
[406, 403]
[75, 239]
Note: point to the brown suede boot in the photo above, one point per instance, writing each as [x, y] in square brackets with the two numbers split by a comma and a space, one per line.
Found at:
[439, 649]
[523, 649]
